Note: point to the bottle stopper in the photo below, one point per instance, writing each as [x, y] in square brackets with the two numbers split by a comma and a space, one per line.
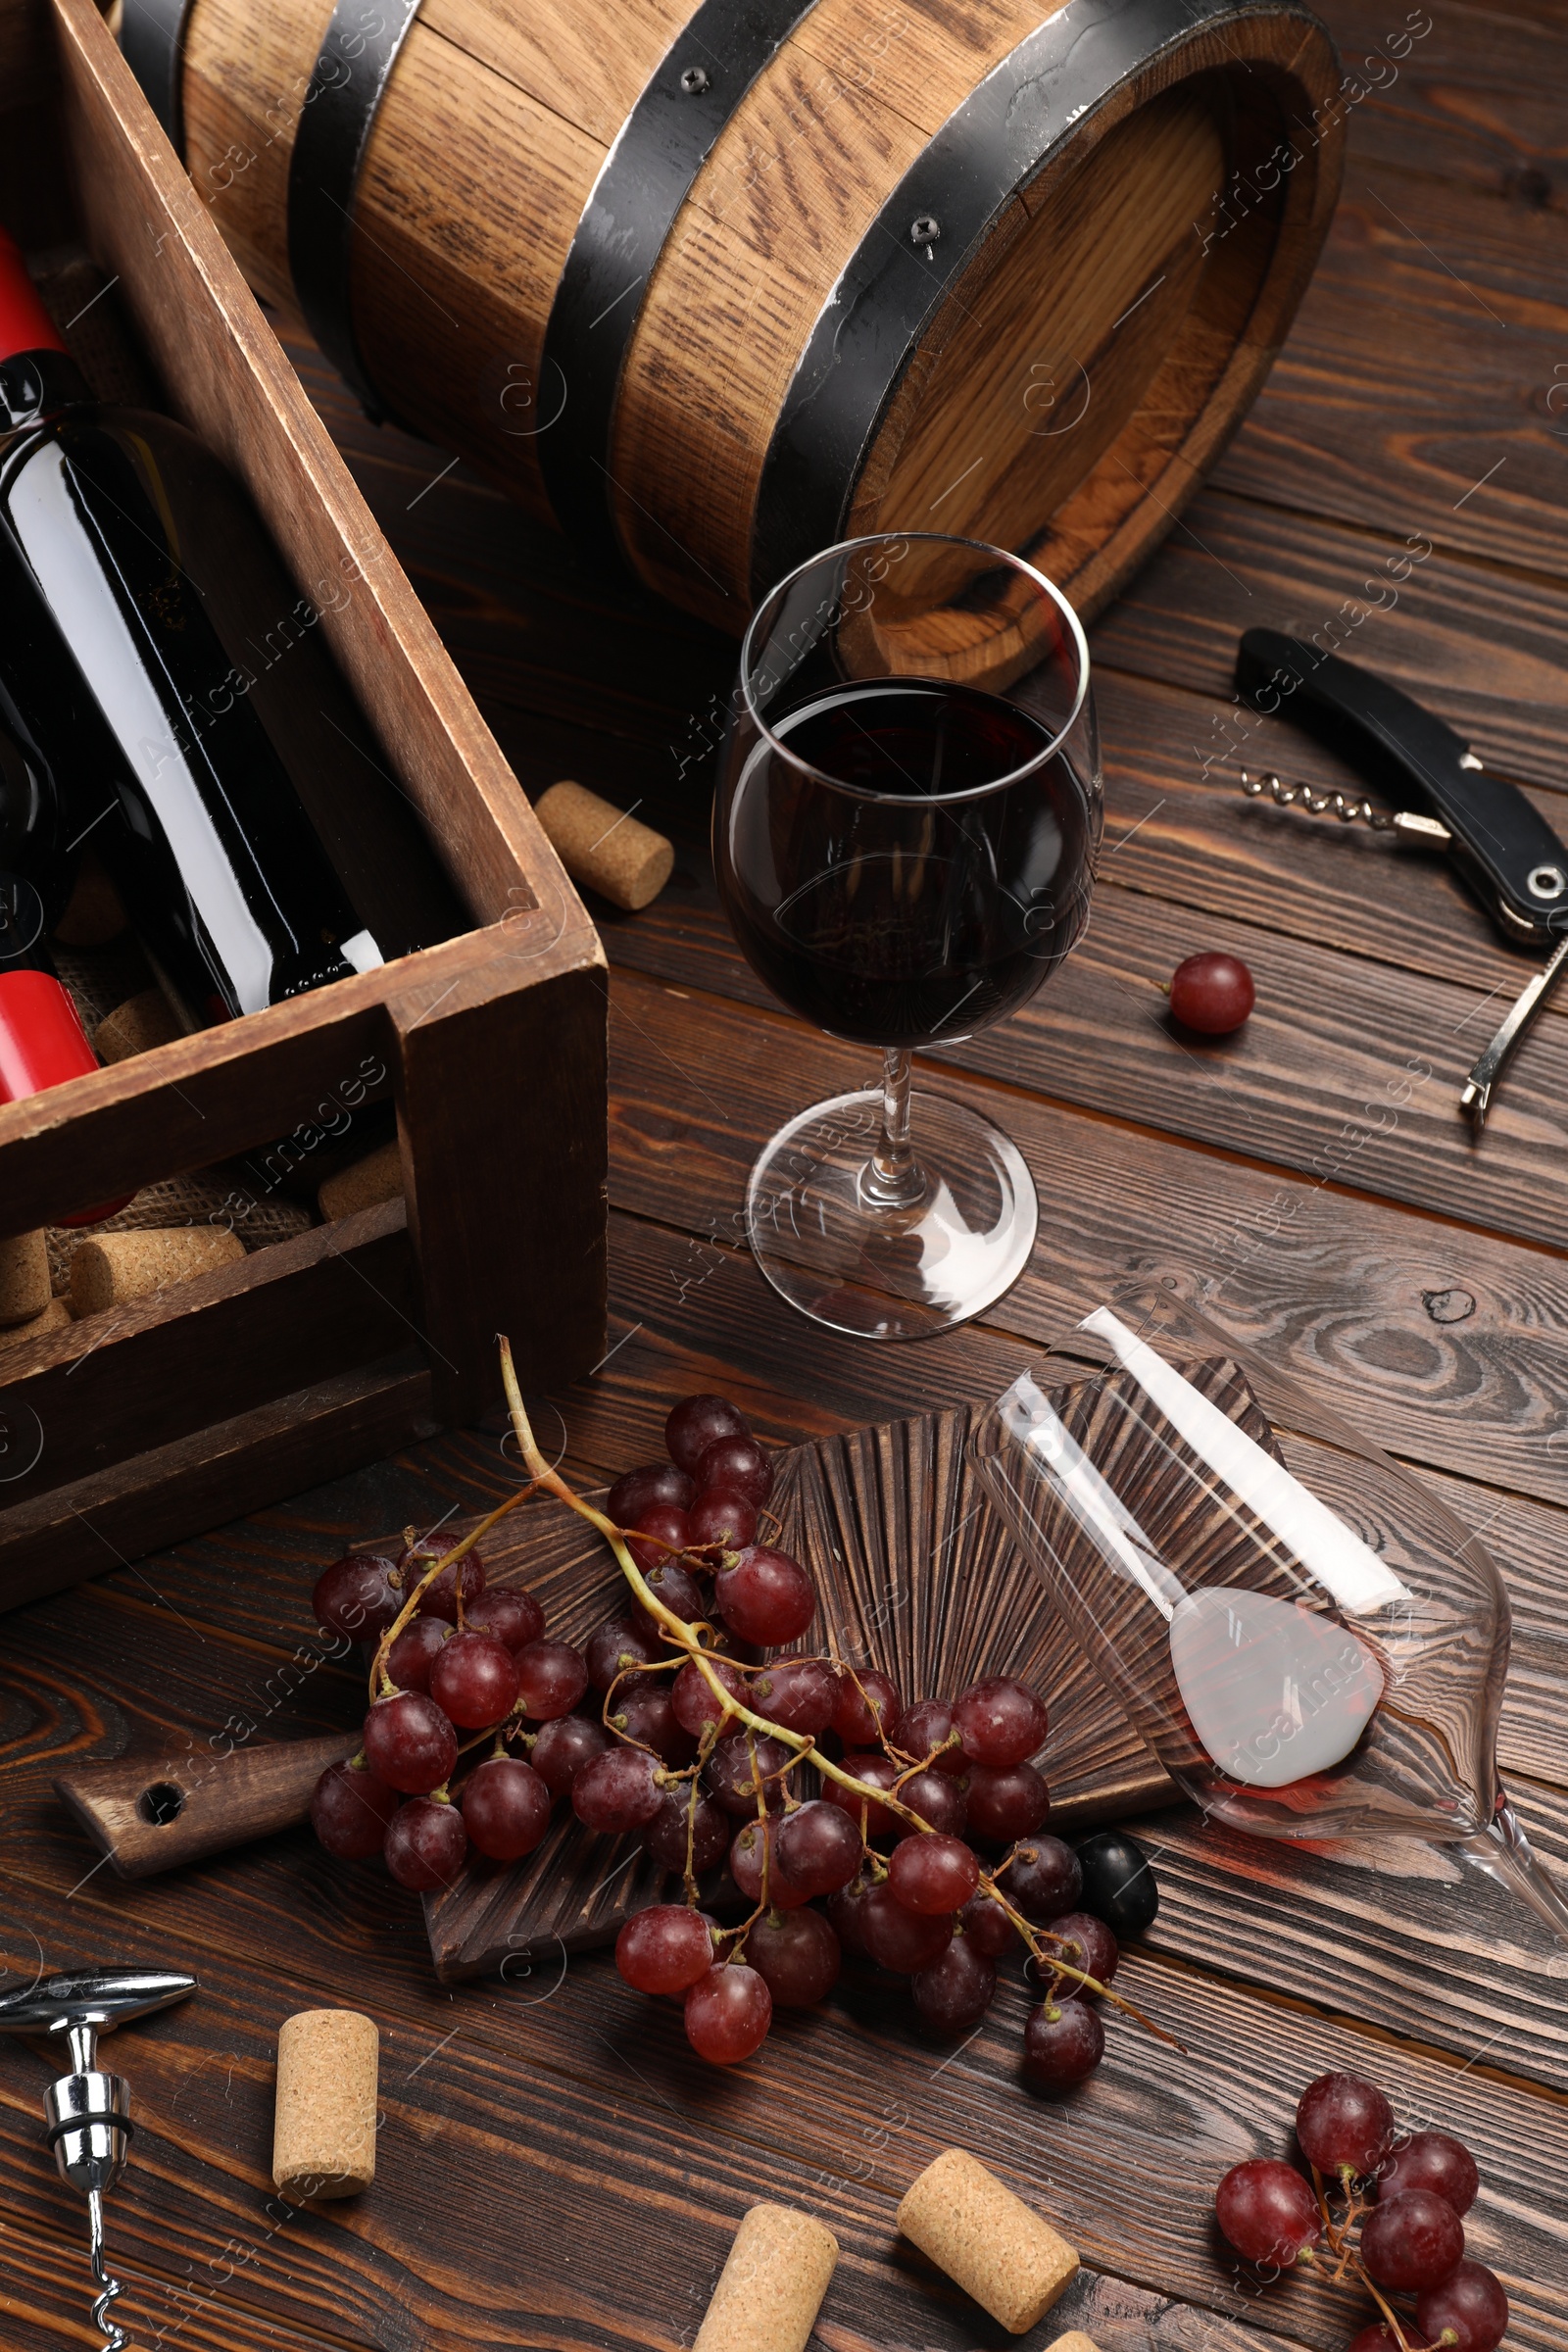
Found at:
[771, 2288]
[56, 1316]
[996, 2247]
[323, 2135]
[24, 1278]
[117, 1268]
[135, 1027]
[1074, 2340]
[368, 1181]
[626, 862]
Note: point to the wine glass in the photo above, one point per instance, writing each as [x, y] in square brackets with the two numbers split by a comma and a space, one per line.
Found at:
[904, 832]
[1313, 1645]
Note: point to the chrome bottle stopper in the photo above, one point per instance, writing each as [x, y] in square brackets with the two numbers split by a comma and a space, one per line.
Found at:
[88, 2111]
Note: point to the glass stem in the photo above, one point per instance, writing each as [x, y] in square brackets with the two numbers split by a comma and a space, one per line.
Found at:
[1503, 1853]
[893, 1177]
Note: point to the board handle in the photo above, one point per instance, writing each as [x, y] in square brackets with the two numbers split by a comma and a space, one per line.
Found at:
[147, 1816]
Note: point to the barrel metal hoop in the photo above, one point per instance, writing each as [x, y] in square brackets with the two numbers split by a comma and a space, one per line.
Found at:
[642, 184]
[880, 310]
[152, 42]
[346, 86]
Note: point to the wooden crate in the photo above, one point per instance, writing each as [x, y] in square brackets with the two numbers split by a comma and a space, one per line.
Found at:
[326, 1350]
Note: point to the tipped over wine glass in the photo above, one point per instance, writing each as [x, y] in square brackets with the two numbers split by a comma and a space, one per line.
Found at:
[904, 834]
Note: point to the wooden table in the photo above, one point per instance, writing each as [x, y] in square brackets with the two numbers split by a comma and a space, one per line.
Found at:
[554, 2169]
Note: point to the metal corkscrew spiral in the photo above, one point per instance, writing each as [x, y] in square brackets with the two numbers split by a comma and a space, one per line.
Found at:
[88, 2111]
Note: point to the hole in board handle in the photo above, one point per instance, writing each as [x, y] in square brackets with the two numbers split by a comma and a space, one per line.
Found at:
[160, 1804]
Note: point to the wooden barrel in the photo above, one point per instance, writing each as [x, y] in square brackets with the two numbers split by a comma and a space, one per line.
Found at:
[989, 266]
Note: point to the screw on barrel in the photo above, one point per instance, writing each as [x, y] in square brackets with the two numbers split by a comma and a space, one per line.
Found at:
[694, 80]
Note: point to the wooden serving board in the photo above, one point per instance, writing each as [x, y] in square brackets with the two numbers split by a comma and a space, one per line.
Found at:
[917, 1574]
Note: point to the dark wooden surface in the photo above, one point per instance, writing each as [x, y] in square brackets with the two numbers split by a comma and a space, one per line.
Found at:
[554, 2169]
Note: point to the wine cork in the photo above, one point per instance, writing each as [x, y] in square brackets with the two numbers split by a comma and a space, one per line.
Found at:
[995, 2246]
[626, 862]
[1074, 2340]
[135, 1026]
[56, 1315]
[323, 2131]
[377, 1177]
[93, 914]
[24, 1278]
[771, 2288]
[117, 1267]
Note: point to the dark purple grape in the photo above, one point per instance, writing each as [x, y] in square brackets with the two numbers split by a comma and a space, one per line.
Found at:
[765, 1597]
[635, 1489]
[697, 1423]
[552, 1677]
[441, 1600]
[933, 1874]
[1001, 1721]
[741, 1764]
[1265, 2208]
[746, 1868]
[505, 1808]
[1344, 2126]
[1006, 1806]
[1411, 2241]
[874, 1820]
[988, 1926]
[350, 1811]
[358, 1596]
[694, 1699]
[412, 1654]
[923, 1733]
[1467, 2312]
[797, 1955]
[954, 1994]
[1062, 2049]
[869, 1710]
[1043, 1878]
[648, 1720]
[665, 1835]
[819, 1846]
[1431, 2160]
[679, 1592]
[1119, 1884]
[1376, 2339]
[665, 1949]
[473, 1680]
[801, 1694]
[728, 2013]
[722, 1521]
[513, 1616]
[845, 1915]
[899, 1940]
[617, 1792]
[939, 1799]
[410, 1744]
[736, 1466]
[662, 1533]
[621, 1647]
[1087, 1945]
[1213, 993]
[427, 1844]
[563, 1747]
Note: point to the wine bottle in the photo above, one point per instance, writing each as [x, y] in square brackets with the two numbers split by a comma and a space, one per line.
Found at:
[127, 670]
[43, 1042]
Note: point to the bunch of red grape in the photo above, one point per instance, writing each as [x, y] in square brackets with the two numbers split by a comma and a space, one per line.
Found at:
[1400, 2199]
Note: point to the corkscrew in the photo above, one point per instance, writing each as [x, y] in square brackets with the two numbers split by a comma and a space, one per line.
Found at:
[88, 2111]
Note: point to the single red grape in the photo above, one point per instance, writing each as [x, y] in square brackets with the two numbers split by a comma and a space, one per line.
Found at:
[746, 1868]
[665, 1835]
[679, 1592]
[988, 1926]
[1469, 2311]
[427, 1844]
[736, 1466]
[358, 1596]
[1411, 2241]
[728, 2013]
[1380, 2338]
[1061, 2049]
[1089, 1944]
[621, 1647]
[1431, 2160]
[697, 1423]
[693, 1698]
[819, 1846]
[473, 1680]
[665, 1949]
[661, 1532]
[939, 1799]
[1213, 993]
[933, 1874]
[551, 1678]
[765, 1597]
[441, 1600]
[846, 1915]
[954, 1994]
[410, 1744]
[1265, 2208]
[923, 1731]
[1006, 1806]
[722, 1520]
[505, 1808]
[409, 1658]
[635, 1489]
[742, 1764]
[797, 1955]
[648, 1720]
[617, 1792]
[350, 1811]
[513, 1616]
[1343, 2125]
[1043, 1879]
[999, 1721]
[899, 1939]
[869, 1708]
[563, 1748]
[801, 1694]
[877, 1772]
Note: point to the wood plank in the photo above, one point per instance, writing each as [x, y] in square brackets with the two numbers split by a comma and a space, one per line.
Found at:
[46, 2291]
[1473, 104]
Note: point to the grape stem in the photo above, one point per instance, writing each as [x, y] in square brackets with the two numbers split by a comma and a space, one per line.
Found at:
[382, 1684]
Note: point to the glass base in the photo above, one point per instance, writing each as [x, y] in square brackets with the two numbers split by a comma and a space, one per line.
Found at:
[899, 1272]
